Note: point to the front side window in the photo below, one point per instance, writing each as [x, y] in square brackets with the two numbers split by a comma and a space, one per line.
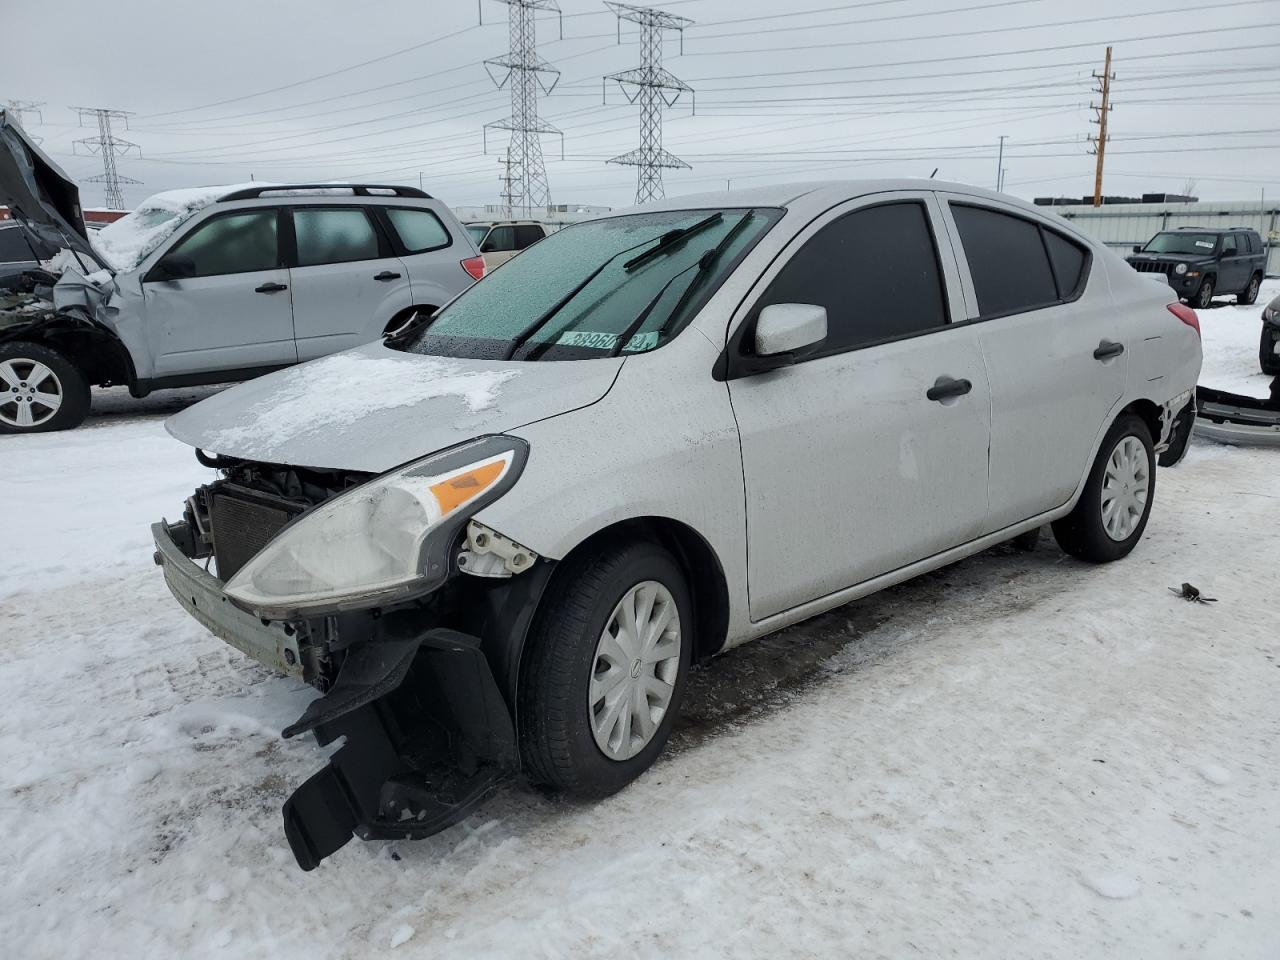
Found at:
[1007, 261]
[608, 287]
[334, 235]
[874, 270]
[419, 230]
[235, 243]
[500, 240]
[1182, 241]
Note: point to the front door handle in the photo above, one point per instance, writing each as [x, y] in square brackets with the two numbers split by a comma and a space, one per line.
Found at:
[944, 388]
[386, 275]
[1107, 349]
[270, 288]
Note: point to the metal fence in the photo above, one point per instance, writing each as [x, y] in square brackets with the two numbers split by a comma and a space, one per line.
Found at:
[1121, 225]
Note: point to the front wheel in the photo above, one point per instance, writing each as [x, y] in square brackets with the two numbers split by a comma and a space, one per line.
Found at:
[1203, 299]
[1267, 357]
[1112, 513]
[605, 670]
[40, 390]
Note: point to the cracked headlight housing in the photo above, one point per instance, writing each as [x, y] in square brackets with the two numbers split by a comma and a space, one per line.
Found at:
[384, 540]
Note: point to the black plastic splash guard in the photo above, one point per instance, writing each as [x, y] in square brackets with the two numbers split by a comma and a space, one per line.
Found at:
[428, 739]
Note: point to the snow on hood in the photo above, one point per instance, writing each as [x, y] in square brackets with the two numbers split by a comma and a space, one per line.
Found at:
[374, 408]
[127, 241]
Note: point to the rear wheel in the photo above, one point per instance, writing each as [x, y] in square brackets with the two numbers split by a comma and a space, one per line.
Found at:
[1203, 299]
[1267, 357]
[605, 671]
[40, 390]
[1112, 512]
[1249, 294]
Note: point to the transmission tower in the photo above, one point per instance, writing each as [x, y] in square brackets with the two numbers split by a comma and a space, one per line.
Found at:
[524, 72]
[654, 87]
[14, 109]
[110, 146]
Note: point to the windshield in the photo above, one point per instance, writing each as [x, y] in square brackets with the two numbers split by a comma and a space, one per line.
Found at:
[1201, 244]
[605, 287]
[478, 232]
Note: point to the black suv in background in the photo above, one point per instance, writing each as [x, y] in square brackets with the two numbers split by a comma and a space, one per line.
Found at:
[1202, 263]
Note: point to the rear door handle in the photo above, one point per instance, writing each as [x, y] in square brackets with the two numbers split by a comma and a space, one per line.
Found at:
[270, 288]
[944, 388]
[1106, 350]
[386, 275]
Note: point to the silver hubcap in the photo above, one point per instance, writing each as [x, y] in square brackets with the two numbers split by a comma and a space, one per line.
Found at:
[1126, 484]
[634, 673]
[30, 393]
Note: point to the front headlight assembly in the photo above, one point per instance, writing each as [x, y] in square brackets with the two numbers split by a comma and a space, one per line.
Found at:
[1180, 269]
[381, 541]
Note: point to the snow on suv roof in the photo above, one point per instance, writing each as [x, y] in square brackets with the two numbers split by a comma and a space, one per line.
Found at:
[126, 242]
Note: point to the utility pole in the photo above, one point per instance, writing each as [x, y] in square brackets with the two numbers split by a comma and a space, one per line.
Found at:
[654, 87]
[525, 72]
[1000, 163]
[110, 146]
[1100, 141]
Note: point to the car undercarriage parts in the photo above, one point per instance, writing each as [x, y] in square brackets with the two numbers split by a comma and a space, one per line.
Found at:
[428, 738]
[488, 553]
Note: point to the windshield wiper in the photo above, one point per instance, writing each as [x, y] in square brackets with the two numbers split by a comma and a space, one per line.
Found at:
[671, 240]
[704, 263]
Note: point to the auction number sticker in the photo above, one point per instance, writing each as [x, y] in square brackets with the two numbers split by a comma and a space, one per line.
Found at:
[598, 340]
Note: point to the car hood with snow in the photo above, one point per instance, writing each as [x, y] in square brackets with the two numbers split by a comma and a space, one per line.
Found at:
[374, 408]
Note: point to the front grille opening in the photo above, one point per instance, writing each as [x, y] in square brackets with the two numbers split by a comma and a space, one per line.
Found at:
[242, 523]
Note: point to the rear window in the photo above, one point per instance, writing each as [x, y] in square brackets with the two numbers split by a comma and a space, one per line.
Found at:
[527, 235]
[419, 230]
[1007, 260]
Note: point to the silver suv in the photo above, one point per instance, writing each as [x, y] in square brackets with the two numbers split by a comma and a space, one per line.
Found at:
[210, 285]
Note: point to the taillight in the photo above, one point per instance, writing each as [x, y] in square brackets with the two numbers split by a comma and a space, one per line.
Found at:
[475, 267]
[1186, 315]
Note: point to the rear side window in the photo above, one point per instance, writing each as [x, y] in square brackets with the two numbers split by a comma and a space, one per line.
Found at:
[527, 235]
[419, 230]
[235, 243]
[875, 271]
[1068, 260]
[1229, 245]
[334, 235]
[1007, 260]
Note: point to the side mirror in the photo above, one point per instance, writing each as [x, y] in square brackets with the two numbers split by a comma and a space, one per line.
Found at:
[787, 327]
[173, 267]
[1137, 248]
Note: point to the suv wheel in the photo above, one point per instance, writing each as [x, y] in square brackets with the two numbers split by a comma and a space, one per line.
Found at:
[605, 672]
[1203, 299]
[1250, 293]
[1267, 357]
[1112, 513]
[40, 390]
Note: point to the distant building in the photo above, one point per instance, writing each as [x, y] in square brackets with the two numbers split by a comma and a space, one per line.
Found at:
[558, 214]
[94, 218]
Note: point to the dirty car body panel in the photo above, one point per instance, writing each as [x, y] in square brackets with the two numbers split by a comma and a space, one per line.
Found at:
[592, 433]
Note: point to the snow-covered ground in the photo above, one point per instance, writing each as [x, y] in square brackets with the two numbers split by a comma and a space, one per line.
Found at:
[1019, 755]
[1230, 334]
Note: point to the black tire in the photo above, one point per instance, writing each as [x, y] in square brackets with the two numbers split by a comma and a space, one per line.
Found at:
[1249, 295]
[64, 379]
[557, 746]
[1082, 532]
[1203, 299]
[1267, 358]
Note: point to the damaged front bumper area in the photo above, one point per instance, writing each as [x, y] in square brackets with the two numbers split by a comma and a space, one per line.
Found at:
[428, 732]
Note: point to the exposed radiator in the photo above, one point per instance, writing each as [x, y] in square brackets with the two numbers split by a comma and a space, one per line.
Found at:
[243, 522]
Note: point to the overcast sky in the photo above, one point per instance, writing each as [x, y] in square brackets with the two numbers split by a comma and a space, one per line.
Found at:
[228, 91]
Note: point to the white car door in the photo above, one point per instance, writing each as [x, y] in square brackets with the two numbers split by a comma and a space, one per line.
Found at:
[1054, 351]
[219, 298]
[347, 283]
[851, 469]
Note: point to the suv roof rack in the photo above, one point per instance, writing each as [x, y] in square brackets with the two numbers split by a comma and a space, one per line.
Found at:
[357, 189]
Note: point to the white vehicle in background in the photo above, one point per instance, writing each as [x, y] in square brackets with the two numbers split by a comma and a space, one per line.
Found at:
[649, 438]
[500, 240]
[212, 284]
